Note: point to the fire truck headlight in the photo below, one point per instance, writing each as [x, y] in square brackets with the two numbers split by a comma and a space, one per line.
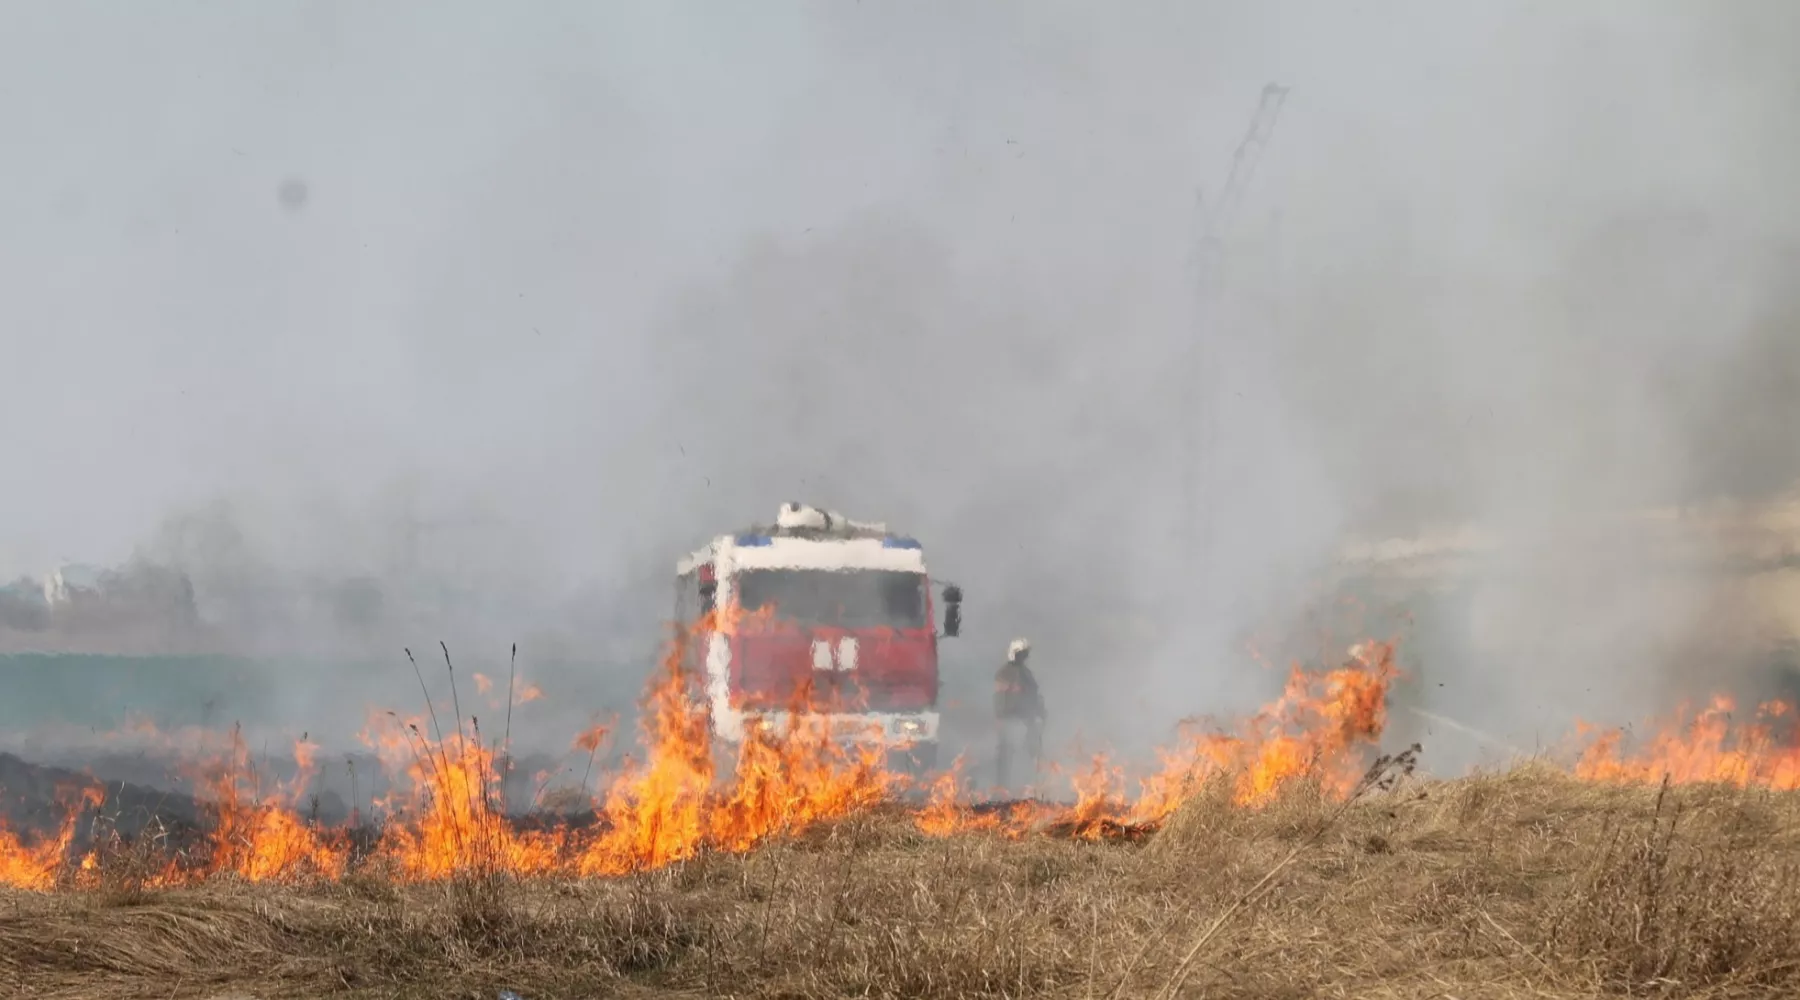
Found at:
[909, 727]
[766, 725]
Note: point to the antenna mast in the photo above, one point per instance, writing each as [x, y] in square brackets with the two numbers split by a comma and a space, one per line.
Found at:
[1200, 432]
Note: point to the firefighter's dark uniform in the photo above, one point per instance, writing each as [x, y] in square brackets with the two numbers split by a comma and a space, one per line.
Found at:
[1018, 712]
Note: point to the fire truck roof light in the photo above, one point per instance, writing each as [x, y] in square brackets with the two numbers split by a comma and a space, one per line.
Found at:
[751, 538]
[899, 542]
[802, 518]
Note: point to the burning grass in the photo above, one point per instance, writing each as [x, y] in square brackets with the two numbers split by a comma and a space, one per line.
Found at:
[675, 803]
[1527, 883]
[1264, 858]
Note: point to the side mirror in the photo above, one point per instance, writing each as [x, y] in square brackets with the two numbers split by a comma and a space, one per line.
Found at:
[952, 611]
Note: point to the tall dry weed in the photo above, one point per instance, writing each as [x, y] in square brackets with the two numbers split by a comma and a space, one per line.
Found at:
[1660, 904]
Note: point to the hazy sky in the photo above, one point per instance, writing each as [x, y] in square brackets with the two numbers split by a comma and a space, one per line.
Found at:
[596, 281]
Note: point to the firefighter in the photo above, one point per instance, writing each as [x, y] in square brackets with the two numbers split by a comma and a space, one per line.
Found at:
[1018, 710]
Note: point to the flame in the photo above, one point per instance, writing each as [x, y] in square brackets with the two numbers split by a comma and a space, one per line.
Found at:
[945, 811]
[1709, 746]
[789, 780]
[681, 798]
[668, 809]
[591, 738]
[942, 814]
[1322, 727]
[27, 865]
[1319, 727]
[655, 812]
[732, 619]
[451, 822]
[1098, 801]
[264, 839]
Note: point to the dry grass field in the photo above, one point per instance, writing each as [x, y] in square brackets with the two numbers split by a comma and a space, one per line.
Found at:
[1528, 883]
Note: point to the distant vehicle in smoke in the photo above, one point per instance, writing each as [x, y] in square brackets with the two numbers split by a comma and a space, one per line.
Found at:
[820, 610]
[73, 584]
[76, 599]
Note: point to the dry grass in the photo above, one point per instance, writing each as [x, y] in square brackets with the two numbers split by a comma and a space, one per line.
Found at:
[1524, 884]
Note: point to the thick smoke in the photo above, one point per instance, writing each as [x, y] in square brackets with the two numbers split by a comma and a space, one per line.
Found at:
[567, 294]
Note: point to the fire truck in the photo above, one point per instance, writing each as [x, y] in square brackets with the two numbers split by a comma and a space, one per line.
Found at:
[819, 613]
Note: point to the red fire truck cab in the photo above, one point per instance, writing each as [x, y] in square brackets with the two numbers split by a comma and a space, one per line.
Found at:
[822, 612]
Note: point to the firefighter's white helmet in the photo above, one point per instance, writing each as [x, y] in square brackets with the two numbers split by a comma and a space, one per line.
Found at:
[1018, 649]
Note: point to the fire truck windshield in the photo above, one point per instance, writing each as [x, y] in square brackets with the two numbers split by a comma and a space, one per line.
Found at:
[836, 598]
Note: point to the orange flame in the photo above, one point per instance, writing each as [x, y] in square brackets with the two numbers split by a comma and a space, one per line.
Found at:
[452, 823]
[1701, 747]
[263, 840]
[1322, 728]
[655, 811]
[591, 738]
[789, 780]
[25, 865]
[675, 802]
